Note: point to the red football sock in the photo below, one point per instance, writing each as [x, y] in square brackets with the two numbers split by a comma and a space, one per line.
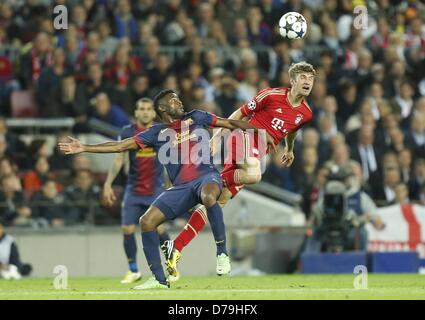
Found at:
[195, 224]
[231, 177]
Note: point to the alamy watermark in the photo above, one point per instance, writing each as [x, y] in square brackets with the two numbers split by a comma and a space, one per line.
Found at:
[60, 282]
[360, 280]
[361, 17]
[60, 20]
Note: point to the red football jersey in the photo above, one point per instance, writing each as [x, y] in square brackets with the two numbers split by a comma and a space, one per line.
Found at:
[271, 110]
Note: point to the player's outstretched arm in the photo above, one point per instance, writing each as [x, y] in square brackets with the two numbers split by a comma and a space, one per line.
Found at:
[238, 124]
[75, 146]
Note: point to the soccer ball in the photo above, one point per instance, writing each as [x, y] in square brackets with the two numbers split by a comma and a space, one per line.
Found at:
[292, 25]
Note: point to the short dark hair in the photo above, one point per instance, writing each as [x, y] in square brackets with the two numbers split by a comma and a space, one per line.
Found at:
[157, 99]
[143, 100]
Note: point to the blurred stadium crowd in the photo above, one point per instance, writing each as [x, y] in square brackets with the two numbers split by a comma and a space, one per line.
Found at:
[368, 98]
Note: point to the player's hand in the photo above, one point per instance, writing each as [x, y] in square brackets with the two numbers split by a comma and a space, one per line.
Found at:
[287, 158]
[271, 145]
[109, 195]
[72, 147]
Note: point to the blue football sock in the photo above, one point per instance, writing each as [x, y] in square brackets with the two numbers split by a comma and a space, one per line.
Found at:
[215, 217]
[163, 237]
[130, 249]
[150, 240]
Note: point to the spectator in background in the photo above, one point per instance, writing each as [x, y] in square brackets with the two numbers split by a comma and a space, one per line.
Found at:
[37, 148]
[13, 207]
[405, 164]
[81, 162]
[33, 62]
[51, 206]
[63, 102]
[109, 113]
[108, 43]
[366, 153]
[305, 172]
[415, 139]
[385, 192]
[278, 174]
[10, 258]
[125, 23]
[50, 78]
[85, 195]
[417, 183]
[14, 145]
[402, 194]
[9, 170]
[34, 179]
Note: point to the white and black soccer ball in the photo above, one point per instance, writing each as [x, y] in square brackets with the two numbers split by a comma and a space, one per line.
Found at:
[292, 25]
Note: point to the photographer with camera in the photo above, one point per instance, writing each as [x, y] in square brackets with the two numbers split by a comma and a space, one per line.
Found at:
[340, 215]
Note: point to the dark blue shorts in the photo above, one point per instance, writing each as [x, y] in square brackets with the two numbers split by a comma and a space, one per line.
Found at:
[177, 200]
[133, 207]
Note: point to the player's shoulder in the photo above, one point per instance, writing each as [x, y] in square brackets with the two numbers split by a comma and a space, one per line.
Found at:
[127, 128]
[269, 91]
[196, 114]
[308, 106]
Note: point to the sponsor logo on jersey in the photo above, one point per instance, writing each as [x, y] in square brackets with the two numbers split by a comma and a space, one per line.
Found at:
[277, 123]
[188, 122]
[252, 104]
[279, 110]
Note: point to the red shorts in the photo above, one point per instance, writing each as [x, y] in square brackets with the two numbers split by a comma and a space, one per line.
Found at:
[241, 145]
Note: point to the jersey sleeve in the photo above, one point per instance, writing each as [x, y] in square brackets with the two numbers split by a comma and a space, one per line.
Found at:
[147, 138]
[256, 104]
[204, 118]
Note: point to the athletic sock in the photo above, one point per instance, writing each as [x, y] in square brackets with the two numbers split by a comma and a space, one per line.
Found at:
[150, 240]
[130, 249]
[215, 217]
[163, 237]
[195, 224]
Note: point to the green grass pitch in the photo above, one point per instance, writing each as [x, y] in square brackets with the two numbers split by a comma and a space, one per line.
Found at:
[281, 287]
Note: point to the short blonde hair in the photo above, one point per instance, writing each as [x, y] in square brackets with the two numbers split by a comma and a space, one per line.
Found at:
[300, 67]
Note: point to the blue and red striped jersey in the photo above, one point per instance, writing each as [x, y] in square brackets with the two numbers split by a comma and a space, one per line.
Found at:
[146, 174]
[182, 146]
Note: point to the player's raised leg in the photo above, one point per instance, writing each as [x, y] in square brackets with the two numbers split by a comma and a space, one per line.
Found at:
[150, 239]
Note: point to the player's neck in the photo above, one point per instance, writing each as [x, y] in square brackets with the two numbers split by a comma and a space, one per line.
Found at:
[144, 126]
[294, 99]
[166, 118]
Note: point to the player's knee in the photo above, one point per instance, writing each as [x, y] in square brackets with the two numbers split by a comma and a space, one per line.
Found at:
[146, 223]
[128, 229]
[208, 200]
[252, 176]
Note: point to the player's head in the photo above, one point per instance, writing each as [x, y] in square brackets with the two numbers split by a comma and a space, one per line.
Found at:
[144, 112]
[167, 102]
[302, 76]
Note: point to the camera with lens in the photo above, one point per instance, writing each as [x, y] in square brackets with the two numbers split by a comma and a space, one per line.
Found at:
[335, 219]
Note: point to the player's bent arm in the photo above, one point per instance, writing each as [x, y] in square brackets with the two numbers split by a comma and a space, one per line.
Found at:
[115, 168]
[290, 139]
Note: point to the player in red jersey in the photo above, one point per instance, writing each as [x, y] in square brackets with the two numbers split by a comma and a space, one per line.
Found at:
[281, 112]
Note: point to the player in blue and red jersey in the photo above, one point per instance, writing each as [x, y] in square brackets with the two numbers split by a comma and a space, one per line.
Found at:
[178, 141]
[145, 182]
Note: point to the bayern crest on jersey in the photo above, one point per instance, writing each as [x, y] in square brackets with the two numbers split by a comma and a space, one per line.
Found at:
[298, 118]
[252, 105]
